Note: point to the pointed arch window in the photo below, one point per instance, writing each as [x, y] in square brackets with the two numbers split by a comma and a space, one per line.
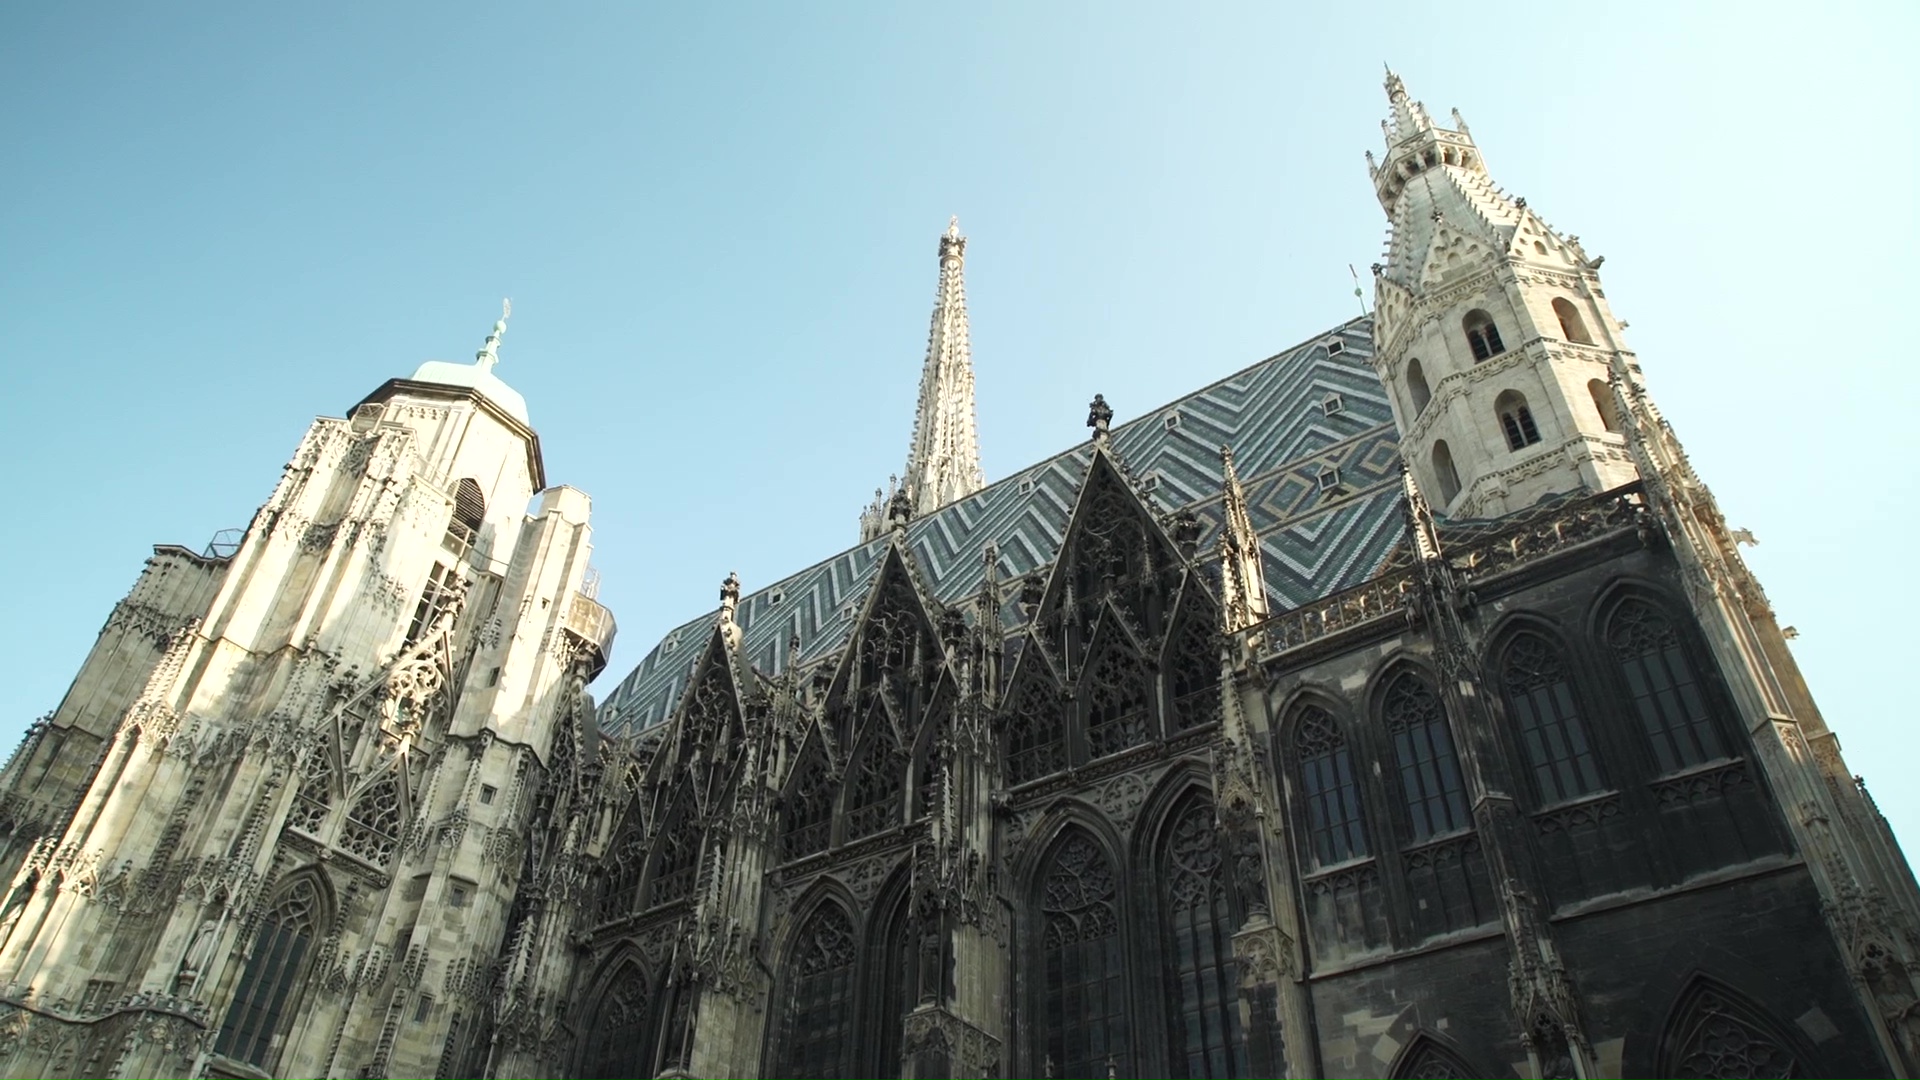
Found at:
[1083, 963]
[1444, 473]
[1423, 748]
[315, 797]
[626, 858]
[1516, 420]
[899, 990]
[1117, 703]
[1205, 1038]
[818, 1040]
[1604, 404]
[1417, 386]
[809, 824]
[1483, 337]
[372, 829]
[1336, 826]
[1572, 326]
[1553, 736]
[878, 780]
[1666, 692]
[469, 510]
[1429, 1060]
[1036, 734]
[275, 970]
[677, 863]
[622, 1040]
[1714, 1034]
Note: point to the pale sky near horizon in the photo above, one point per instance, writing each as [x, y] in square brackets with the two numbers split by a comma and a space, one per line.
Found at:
[717, 225]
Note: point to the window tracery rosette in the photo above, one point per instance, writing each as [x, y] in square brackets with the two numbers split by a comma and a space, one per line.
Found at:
[372, 828]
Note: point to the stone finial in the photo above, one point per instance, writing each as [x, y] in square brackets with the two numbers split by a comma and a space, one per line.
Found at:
[729, 596]
[489, 353]
[1099, 417]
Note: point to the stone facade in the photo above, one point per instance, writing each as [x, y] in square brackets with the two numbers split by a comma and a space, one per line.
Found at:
[1150, 761]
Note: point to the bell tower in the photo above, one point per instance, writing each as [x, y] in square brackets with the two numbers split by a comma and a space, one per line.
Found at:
[1491, 330]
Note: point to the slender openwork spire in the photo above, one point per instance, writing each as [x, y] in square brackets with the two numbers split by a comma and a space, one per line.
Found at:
[489, 353]
[943, 463]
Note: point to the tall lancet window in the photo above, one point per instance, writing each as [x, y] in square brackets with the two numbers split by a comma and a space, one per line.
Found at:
[1203, 1001]
[818, 1040]
[1429, 768]
[1085, 1032]
[1335, 822]
[1665, 691]
[622, 1045]
[1540, 696]
[276, 967]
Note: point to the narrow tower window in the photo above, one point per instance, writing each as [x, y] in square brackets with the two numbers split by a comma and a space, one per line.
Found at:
[1205, 1039]
[1604, 404]
[1516, 420]
[1572, 326]
[1482, 336]
[1417, 386]
[1443, 472]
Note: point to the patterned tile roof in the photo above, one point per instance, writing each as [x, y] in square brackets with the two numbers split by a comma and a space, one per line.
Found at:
[1313, 440]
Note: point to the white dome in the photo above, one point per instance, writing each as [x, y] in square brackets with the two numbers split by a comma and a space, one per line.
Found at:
[446, 373]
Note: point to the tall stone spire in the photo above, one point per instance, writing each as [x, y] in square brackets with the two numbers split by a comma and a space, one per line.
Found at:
[943, 462]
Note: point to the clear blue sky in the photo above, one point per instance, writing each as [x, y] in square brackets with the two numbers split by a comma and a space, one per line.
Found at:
[717, 225]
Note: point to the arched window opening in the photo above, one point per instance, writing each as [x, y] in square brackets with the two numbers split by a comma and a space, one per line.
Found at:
[1552, 734]
[1516, 420]
[1443, 472]
[1429, 768]
[1665, 690]
[275, 969]
[443, 589]
[1084, 964]
[818, 1040]
[372, 829]
[1417, 386]
[1604, 404]
[809, 811]
[877, 783]
[677, 862]
[1116, 703]
[625, 861]
[1205, 1040]
[1335, 823]
[315, 797]
[469, 510]
[1572, 326]
[1483, 337]
[622, 1044]
[1036, 734]
[1715, 1034]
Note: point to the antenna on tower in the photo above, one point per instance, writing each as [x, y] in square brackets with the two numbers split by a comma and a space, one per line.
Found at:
[1357, 293]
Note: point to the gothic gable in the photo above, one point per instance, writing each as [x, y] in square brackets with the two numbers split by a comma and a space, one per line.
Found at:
[1115, 558]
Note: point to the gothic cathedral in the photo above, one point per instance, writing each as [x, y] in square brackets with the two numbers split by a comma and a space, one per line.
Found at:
[1397, 706]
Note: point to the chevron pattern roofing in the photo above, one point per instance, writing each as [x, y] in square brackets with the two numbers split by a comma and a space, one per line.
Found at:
[1318, 536]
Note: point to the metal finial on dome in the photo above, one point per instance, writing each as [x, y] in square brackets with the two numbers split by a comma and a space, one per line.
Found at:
[489, 353]
[953, 226]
